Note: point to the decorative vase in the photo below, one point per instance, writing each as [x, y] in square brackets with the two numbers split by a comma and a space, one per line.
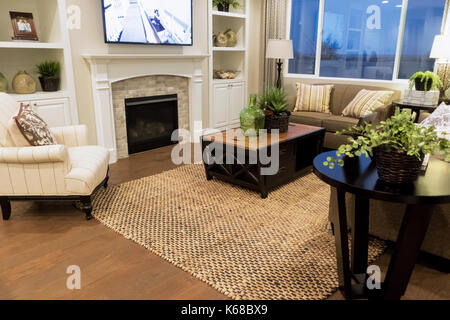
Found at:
[252, 118]
[231, 38]
[223, 7]
[220, 40]
[396, 167]
[420, 85]
[3, 83]
[280, 122]
[23, 83]
[49, 84]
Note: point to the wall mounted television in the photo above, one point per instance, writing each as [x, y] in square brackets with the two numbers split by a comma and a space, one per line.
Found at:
[157, 22]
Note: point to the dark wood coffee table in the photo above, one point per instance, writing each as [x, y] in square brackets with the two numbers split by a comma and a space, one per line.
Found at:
[297, 150]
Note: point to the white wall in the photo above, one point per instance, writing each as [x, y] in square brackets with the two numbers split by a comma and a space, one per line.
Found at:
[89, 39]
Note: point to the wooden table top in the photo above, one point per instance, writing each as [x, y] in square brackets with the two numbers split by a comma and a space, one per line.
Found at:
[236, 137]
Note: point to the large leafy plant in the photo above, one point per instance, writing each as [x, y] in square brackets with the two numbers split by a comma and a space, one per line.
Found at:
[49, 69]
[398, 133]
[274, 102]
[424, 78]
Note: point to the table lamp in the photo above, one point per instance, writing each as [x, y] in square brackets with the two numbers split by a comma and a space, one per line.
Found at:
[441, 51]
[280, 50]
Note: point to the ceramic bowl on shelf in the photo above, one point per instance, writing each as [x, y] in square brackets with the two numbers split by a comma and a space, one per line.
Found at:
[225, 74]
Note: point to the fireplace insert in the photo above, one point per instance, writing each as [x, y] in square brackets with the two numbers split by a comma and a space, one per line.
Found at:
[151, 122]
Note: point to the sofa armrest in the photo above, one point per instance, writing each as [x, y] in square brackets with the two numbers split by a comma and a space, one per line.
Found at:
[71, 136]
[34, 155]
[370, 119]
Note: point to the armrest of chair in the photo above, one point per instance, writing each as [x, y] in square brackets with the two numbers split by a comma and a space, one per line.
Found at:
[71, 136]
[34, 155]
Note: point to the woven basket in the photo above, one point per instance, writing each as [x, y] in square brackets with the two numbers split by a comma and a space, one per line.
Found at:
[277, 122]
[397, 167]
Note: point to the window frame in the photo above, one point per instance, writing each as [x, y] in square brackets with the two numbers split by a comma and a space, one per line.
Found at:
[398, 53]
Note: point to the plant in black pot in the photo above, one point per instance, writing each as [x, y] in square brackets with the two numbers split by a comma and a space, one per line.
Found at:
[224, 5]
[49, 75]
[397, 145]
[274, 103]
[425, 81]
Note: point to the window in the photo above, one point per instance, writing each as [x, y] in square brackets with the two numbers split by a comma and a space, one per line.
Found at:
[359, 37]
[423, 21]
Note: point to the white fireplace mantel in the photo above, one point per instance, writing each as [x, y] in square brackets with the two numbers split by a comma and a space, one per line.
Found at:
[109, 68]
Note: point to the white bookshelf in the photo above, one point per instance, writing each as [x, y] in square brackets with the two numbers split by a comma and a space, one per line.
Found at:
[228, 97]
[50, 18]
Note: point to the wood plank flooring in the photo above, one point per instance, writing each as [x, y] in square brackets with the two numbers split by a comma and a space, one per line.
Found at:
[42, 239]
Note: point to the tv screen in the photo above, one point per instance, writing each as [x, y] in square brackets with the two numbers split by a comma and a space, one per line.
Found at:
[164, 22]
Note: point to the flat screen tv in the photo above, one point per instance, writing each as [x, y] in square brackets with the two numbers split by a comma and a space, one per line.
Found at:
[160, 22]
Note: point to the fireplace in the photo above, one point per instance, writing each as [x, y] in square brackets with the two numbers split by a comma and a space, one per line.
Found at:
[150, 122]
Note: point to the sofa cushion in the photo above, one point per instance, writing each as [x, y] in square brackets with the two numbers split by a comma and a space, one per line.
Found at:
[314, 98]
[315, 119]
[366, 102]
[89, 167]
[338, 123]
[16, 134]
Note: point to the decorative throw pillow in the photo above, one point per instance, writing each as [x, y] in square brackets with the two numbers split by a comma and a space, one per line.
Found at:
[366, 102]
[16, 134]
[315, 98]
[33, 127]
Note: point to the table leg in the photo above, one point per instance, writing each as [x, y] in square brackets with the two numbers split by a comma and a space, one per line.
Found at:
[412, 232]
[341, 240]
[360, 235]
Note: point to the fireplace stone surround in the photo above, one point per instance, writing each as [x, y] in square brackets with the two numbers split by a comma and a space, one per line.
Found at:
[108, 69]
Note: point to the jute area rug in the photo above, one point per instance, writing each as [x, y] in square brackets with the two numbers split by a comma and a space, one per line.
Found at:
[228, 237]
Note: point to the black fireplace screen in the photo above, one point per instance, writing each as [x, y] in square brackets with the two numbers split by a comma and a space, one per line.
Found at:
[151, 122]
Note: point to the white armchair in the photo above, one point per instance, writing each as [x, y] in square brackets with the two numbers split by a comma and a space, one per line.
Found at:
[71, 170]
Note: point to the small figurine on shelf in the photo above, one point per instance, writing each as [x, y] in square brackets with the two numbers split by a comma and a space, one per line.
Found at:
[3, 83]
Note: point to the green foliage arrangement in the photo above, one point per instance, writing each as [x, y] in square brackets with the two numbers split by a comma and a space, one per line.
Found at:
[232, 3]
[49, 69]
[274, 101]
[424, 78]
[396, 133]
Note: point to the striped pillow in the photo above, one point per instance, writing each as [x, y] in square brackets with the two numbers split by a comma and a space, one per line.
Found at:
[313, 98]
[366, 102]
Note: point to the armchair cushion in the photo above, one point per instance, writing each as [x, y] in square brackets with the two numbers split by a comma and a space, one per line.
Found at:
[89, 167]
[71, 136]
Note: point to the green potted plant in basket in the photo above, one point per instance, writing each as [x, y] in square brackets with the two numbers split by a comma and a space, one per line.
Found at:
[425, 81]
[224, 5]
[274, 103]
[397, 145]
[49, 75]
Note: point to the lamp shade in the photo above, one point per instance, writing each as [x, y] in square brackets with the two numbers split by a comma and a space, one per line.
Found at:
[279, 49]
[441, 47]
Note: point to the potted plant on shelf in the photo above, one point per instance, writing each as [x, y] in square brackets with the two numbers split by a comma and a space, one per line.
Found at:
[49, 75]
[425, 81]
[274, 103]
[224, 5]
[397, 145]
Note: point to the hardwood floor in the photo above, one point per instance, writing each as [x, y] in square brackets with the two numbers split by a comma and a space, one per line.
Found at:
[42, 239]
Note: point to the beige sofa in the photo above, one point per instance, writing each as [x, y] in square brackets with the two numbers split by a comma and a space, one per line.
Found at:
[71, 170]
[342, 95]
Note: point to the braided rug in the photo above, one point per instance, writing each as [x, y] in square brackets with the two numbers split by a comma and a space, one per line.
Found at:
[230, 238]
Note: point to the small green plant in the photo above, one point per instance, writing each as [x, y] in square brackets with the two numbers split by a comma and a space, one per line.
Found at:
[274, 101]
[49, 69]
[396, 133]
[424, 78]
[231, 3]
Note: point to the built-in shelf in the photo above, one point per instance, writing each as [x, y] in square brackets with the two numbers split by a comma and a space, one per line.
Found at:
[235, 49]
[30, 45]
[40, 95]
[224, 81]
[229, 14]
